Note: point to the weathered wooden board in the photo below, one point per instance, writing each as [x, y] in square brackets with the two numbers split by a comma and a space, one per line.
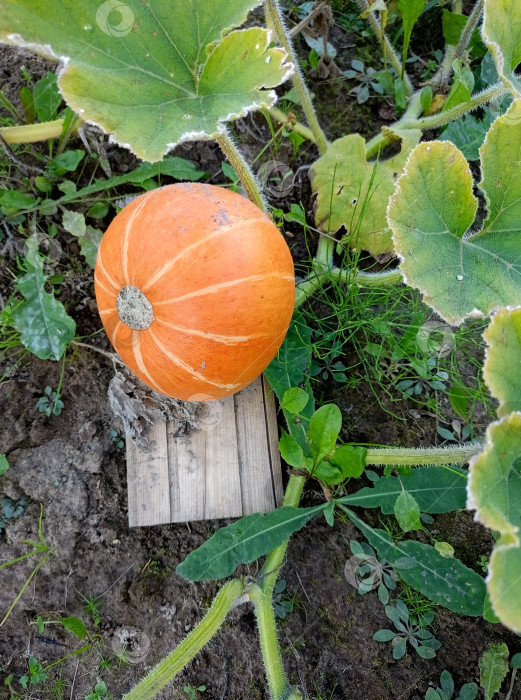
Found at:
[228, 468]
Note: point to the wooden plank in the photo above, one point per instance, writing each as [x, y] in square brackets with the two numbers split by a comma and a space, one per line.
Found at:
[223, 482]
[270, 409]
[148, 480]
[228, 468]
[254, 457]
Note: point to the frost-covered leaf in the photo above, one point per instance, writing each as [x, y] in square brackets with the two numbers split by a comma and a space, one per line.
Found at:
[502, 34]
[46, 328]
[494, 491]
[493, 667]
[462, 273]
[152, 74]
[502, 368]
[138, 407]
[354, 193]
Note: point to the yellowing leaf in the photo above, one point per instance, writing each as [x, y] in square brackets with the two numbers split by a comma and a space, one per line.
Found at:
[354, 193]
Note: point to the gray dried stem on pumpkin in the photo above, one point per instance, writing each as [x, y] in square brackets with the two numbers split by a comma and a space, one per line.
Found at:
[138, 408]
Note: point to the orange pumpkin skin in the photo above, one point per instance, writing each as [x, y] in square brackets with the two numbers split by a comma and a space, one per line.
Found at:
[208, 290]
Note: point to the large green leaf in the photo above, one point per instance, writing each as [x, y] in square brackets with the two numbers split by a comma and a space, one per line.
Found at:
[152, 74]
[46, 328]
[462, 273]
[243, 542]
[446, 581]
[502, 369]
[502, 35]
[354, 193]
[494, 491]
[436, 490]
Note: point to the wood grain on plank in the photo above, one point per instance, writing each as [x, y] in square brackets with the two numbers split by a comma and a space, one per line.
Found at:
[148, 480]
[228, 468]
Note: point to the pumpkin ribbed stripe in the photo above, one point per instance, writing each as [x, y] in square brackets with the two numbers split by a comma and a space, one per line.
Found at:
[207, 335]
[101, 268]
[141, 363]
[180, 363]
[219, 287]
[169, 266]
[126, 236]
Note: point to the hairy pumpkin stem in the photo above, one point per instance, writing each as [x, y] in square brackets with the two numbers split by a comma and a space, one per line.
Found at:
[387, 47]
[262, 598]
[242, 169]
[29, 133]
[167, 669]
[317, 279]
[454, 52]
[437, 120]
[274, 20]
[458, 454]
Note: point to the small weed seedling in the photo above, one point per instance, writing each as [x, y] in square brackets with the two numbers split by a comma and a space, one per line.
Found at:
[422, 641]
[50, 403]
[192, 692]
[100, 692]
[446, 690]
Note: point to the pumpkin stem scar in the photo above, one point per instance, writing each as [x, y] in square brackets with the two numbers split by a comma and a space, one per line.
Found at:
[134, 309]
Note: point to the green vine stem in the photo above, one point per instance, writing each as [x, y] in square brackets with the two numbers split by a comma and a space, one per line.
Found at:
[317, 280]
[292, 124]
[387, 47]
[171, 665]
[30, 133]
[242, 169]
[442, 118]
[386, 136]
[262, 597]
[453, 52]
[274, 19]
[457, 454]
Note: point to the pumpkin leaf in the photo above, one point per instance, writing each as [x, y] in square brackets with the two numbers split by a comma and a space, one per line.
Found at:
[462, 273]
[244, 541]
[501, 22]
[447, 582]
[436, 490]
[353, 192]
[152, 74]
[45, 327]
[493, 667]
[494, 491]
[502, 368]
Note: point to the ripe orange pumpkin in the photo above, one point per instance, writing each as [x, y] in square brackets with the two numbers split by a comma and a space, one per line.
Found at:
[195, 287]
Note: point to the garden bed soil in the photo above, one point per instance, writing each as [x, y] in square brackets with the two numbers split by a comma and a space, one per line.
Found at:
[71, 467]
